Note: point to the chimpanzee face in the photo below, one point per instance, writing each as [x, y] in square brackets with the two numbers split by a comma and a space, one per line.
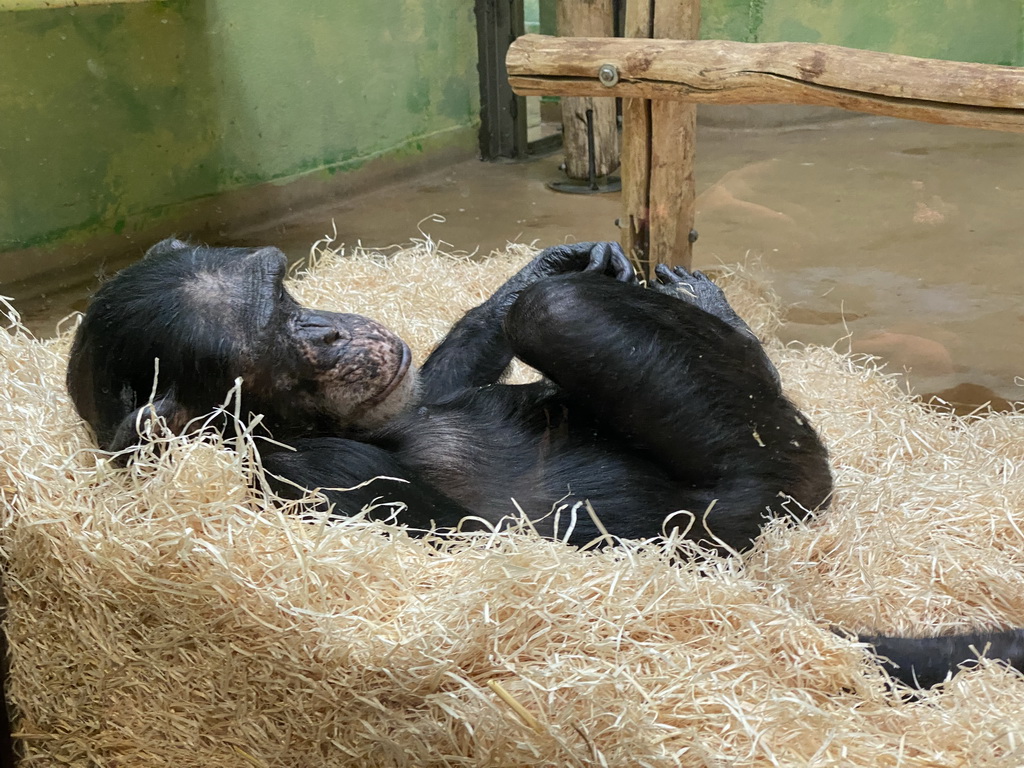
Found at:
[338, 370]
[307, 369]
[213, 315]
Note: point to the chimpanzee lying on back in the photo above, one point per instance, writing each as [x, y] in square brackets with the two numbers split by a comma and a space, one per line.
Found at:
[655, 400]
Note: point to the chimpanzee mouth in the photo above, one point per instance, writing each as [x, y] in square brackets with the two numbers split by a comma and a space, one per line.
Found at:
[400, 374]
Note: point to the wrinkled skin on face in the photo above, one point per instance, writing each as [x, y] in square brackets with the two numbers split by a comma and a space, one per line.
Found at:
[342, 371]
[199, 318]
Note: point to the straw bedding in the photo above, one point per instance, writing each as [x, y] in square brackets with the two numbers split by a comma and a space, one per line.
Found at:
[171, 614]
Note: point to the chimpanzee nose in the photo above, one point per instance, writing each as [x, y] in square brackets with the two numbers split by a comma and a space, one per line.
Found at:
[319, 329]
[325, 334]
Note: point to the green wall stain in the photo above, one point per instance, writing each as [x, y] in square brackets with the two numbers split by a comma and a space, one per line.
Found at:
[795, 31]
[755, 18]
[725, 19]
[987, 31]
[114, 115]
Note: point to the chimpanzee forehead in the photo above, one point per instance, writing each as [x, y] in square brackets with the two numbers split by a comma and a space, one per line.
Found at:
[268, 260]
[235, 288]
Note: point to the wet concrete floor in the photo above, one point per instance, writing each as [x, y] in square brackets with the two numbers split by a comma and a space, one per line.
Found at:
[898, 238]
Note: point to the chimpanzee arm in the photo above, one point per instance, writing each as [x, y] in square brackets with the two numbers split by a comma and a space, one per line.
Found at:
[354, 476]
[475, 352]
[921, 662]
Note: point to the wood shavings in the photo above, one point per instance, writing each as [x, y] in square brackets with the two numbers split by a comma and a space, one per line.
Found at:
[171, 614]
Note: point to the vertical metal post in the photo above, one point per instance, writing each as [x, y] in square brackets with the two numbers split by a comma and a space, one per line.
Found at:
[502, 113]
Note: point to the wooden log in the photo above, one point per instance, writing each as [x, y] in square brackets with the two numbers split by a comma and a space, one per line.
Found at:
[588, 18]
[634, 224]
[673, 148]
[722, 72]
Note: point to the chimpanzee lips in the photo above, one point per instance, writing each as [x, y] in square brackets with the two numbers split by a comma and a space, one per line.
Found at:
[400, 373]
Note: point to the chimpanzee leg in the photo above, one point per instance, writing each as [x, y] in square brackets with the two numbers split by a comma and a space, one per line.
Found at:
[922, 662]
[673, 379]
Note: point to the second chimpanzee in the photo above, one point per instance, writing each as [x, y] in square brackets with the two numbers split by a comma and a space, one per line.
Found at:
[655, 404]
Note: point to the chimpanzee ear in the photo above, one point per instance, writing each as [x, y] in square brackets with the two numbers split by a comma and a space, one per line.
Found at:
[166, 246]
[135, 427]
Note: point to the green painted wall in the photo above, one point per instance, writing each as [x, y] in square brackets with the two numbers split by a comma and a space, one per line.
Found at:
[987, 31]
[110, 116]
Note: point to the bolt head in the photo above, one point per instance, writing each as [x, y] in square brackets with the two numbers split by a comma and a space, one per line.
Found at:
[608, 75]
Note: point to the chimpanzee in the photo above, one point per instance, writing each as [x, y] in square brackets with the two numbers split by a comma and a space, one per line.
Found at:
[654, 401]
[658, 408]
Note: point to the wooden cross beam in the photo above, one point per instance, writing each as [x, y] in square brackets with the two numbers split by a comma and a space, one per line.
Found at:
[720, 72]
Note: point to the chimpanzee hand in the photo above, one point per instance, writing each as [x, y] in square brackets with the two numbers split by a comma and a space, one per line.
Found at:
[604, 258]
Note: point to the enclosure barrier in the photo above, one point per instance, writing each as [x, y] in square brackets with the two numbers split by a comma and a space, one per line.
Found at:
[722, 72]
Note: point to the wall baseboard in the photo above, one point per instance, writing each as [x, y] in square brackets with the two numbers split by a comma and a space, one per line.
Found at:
[30, 272]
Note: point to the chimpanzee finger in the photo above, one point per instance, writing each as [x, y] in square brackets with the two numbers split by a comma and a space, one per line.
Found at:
[665, 275]
[598, 258]
[608, 259]
[621, 266]
[669, 274]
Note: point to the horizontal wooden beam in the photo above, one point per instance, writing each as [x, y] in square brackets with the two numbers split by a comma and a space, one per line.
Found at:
[722, 72]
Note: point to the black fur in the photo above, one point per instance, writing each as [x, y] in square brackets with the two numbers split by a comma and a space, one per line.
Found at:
[922, 662]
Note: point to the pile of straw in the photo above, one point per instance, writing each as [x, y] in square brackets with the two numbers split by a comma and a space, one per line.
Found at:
[170, 615]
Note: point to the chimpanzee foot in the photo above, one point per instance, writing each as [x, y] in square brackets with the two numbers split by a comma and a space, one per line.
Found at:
[603, 258]
[696, 288]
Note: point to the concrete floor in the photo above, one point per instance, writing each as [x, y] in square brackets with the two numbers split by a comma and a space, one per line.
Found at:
[902, 239]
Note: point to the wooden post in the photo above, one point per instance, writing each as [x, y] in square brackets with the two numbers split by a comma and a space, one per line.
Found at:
[673, 147]
[636, 151]
[659, 142]
[593, 18]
